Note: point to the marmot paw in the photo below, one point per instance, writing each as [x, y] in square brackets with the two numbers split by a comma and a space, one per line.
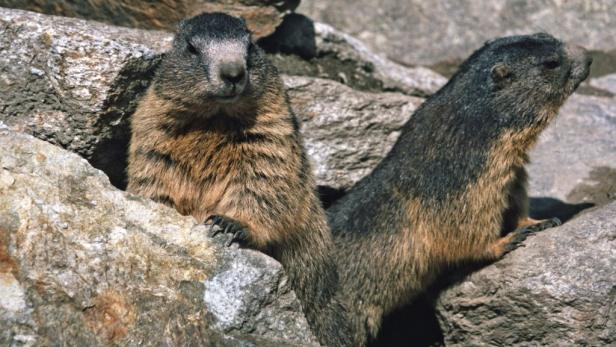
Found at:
[227, 225]
[545, 224]
[519, 235]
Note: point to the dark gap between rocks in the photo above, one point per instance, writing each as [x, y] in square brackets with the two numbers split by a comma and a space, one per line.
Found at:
[110, 155]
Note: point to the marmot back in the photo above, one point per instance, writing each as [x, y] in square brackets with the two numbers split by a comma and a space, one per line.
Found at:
[455, 181]
[215, 138]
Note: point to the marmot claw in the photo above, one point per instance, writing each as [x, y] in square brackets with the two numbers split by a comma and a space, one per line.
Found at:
[227, 225]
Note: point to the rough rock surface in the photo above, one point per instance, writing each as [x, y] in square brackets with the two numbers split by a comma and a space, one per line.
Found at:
[428, 32]
[559, 290]
[75, 83]
[262, 16]
[317, 49]
[82, 263]
[347, 132]
[605, 83]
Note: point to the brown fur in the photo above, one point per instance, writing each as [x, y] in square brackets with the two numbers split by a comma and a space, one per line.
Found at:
[243, 160]
[211, 173]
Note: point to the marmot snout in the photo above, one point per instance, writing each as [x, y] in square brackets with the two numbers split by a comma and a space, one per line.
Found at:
[213, 61]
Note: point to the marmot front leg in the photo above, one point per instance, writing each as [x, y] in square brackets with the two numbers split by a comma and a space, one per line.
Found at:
[514, 239]
[516, 215]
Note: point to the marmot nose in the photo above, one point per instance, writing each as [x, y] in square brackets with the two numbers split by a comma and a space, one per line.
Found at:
[581, 61]
[588, 60]
[232, 72]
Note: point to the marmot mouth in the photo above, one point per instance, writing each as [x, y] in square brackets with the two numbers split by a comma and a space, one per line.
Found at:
[228, 98]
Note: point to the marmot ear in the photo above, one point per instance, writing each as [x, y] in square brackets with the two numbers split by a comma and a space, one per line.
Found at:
[500, 72]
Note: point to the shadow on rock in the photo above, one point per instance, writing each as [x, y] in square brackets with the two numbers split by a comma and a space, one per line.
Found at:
[543, 208]
[413, 325]
[295, 35]
[110, 155]
[601, 192]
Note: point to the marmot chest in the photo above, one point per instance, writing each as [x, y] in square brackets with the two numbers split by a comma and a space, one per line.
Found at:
[206, 166]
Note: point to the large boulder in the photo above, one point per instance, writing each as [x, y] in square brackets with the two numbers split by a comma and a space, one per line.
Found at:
[262, 16]
[418, 32]
[82, 263]
[559, 290]
[75, 83]
[347, 132]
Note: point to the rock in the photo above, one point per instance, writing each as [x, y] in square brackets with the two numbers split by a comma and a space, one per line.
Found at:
[575, 158]
[75, 83]
[329, 53]
[417, 32]
[82, 263]
[262, 16]
[606, 83]
[558, 290]
[346, 132]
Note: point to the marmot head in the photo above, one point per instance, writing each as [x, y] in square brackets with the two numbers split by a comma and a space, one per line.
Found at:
[522, 80]
[213, 62]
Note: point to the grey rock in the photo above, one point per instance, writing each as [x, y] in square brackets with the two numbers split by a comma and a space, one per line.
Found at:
[578, 148]
[558, 290]
[409, 80]
[607, 83]
[75, 83]
[420, 32]
[332, 54]
[82, 263]
[262, 16]
[346, 132]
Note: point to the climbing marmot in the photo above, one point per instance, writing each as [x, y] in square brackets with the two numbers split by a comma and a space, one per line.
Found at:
[454, 179]
[215, 138]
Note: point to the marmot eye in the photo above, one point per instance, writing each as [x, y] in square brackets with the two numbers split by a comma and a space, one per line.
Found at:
[551, 64]
[191, 48]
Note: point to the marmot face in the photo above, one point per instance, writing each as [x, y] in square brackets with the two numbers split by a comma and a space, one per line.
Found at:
[213, 63]
[524, 79]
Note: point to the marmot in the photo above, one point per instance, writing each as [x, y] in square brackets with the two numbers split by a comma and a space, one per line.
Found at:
[455, 178]
[214, 137]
